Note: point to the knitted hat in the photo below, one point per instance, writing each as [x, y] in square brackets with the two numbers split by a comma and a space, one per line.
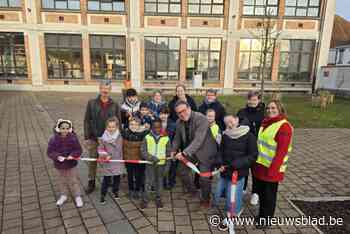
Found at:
[62, 121]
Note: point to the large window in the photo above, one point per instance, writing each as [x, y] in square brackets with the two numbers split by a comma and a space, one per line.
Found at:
[162, 58]
[251, 59]
[303, 8]
[206, 7]
[260, 7]
[64, 56]
[12, 56]
[107, 57]
[203, 56]
[10, 3]
[61, 4]
[163, 6]
[296, 60]
[106, 5]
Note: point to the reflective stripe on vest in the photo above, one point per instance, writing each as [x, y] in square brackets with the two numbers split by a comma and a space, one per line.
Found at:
[214, 130]
[267, 145]
[158, 150]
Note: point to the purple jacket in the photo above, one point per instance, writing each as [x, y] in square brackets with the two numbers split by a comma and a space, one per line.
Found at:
[64, 146]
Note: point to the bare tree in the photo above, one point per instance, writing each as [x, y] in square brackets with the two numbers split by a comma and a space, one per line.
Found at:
[266, 33]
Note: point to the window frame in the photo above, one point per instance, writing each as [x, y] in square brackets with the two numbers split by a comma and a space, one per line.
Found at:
[211, 4]
[60, 9]
[71, 50]
[157, 2]
[300, 53]
[253, 51]
[307, 7]
[114, 51]
[209, 51]
[12, 7]
[100, 10]
[277, 6]
[156, 50]
[10, 37]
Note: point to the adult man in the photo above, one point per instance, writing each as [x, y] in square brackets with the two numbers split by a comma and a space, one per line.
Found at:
[211, 102]
[98, 110]
[194, 142]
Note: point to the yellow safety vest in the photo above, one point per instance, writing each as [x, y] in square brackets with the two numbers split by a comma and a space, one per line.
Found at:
[267, 145]
[158, 150]
[215, 130]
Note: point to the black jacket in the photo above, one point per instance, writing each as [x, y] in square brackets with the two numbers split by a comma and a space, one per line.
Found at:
[252, 117]
[173, 115]
[219, 109]
[237, 154]
[95, 118]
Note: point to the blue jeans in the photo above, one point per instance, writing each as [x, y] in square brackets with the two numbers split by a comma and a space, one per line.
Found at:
[224, 184]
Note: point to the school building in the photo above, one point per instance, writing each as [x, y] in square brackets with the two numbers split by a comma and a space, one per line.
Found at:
[68, 45]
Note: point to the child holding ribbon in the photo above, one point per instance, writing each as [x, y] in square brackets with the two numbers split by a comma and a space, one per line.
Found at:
[63, 149]
[111, 148]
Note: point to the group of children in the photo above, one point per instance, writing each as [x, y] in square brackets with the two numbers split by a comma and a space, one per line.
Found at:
[145, 133]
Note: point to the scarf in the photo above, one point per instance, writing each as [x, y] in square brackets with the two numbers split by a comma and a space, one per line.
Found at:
[110, 138]
[207, 102]
[237, 132]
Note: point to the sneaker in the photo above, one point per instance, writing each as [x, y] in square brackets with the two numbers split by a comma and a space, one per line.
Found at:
[116, 195]
[79, 202]
[91, 186]
[244, 192]
[102, 201]
[254, 200]
[159, 203]
[143, 205]
[61, 200]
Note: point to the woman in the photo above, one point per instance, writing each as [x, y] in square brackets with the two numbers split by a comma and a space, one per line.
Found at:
[252, 115]
[274, 145]
[180, 95]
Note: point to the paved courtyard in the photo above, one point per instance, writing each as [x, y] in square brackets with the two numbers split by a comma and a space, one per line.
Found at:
[319, 167]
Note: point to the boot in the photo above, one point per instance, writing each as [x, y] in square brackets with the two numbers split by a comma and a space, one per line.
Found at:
[91, 186]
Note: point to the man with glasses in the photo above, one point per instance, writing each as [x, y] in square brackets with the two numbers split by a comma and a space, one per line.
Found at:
[98, 110]
[193, 141]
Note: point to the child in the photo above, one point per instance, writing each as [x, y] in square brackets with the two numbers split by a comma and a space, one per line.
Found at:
[145, 115]
[214, 127]
[132, 140]
[63, 149]
[238, 150]
[111, 147]
[130, 106]
[155, 148]
[156, 103]
[168, 128]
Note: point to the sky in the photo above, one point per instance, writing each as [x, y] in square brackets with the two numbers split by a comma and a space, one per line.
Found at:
[343, 8]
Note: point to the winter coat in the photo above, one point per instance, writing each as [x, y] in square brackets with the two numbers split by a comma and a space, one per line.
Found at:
[252, 117]
[96, 116]
[173, 116]
[219, 109]
[127, 108]
[115, 151]
[238, 151]
[201, 145]
[170, 130]
[155, 107]
[283, 139]
[132, 142]
[64, 146]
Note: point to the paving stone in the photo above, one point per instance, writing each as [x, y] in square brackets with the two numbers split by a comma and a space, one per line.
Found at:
[184, 229]
[121, 227]
[166, 226]
[182, 220]
[140, 223]
[98, 230]
[72, 222]
[51, 223]
[77, 230]
[93, 222]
